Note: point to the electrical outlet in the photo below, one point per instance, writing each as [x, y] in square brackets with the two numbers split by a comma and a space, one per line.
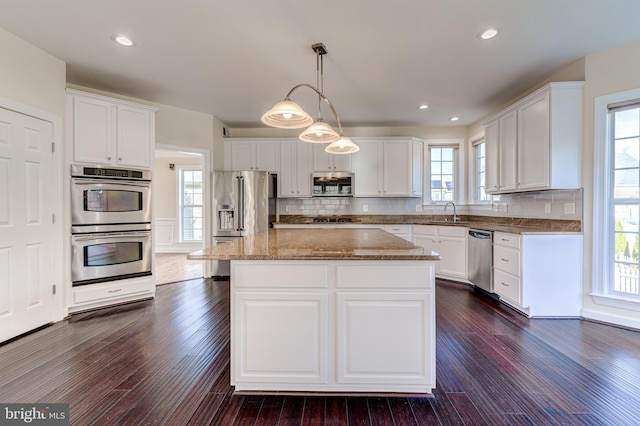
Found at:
[569, 208]
[287, 208]
[365, 208]
[547, 207]
[419, 207]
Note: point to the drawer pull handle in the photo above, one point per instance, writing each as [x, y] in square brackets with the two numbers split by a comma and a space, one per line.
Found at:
[504, 260]
[504, 239]
[506, 285]
[114, 291]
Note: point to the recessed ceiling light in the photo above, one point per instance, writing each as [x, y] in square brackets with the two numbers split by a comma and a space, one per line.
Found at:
[125, 41]
[423, 106]
[454, 119]
[488, 33]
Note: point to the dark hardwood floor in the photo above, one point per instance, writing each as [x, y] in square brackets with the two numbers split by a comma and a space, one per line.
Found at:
[167, 362]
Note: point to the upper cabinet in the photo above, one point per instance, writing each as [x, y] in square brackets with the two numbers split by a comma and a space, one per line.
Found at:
[535, 144]
[325, 162]
[388, 168]
[253, 154]
[109, 131]
[294, 178]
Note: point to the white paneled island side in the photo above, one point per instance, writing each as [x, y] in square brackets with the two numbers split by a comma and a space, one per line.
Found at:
[330, 311]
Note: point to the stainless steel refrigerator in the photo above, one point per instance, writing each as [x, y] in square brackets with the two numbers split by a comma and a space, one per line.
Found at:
[244, 203]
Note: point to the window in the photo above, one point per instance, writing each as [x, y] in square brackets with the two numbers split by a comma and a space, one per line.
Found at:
[624, 199]
[479, 156]
[191, 204]
[443, 172]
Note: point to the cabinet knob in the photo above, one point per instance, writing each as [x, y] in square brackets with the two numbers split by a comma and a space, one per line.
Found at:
[119, 158]
[108, 158]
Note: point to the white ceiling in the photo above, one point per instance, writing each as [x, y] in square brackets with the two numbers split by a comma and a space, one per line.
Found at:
[235, 58]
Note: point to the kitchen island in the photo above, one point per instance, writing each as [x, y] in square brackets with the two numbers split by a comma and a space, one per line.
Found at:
[330, 311]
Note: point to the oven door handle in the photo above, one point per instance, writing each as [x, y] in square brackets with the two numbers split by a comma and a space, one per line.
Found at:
[112, 236]
[96, 181]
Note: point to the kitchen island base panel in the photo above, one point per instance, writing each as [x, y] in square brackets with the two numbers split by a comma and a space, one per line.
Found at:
[311, 326]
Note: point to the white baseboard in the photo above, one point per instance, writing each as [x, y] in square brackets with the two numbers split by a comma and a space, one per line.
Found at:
[613, 319]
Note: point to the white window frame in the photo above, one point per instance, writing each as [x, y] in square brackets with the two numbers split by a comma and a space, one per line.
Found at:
[474, 193]
[180, 202]
[602, 242]
[459, 178]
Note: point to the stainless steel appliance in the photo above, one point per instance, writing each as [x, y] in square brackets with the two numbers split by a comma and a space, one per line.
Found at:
[333, 184]
[480, 258]
[245, 203]
[101, 196]
[110, 224]
[110, 255]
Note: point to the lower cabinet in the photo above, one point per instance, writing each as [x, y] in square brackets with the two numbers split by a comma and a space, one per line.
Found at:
[539, 275]
[334, 326]
[93, 296]
[448, 241]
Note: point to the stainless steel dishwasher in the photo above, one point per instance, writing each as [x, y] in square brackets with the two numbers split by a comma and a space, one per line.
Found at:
[480, 258]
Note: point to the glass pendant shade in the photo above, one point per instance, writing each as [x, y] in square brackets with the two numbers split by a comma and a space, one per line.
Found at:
[319, 132]
[287, 115]
[344, 145]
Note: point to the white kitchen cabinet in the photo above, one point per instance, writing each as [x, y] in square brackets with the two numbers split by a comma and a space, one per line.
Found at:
[333, 326]
[535, 143]
[539, 274]
[402, 231]
[109, 131]
[98, 295]
[448, 241]
[388, 168]
[325, 162]
[254, 154]
[294, 177]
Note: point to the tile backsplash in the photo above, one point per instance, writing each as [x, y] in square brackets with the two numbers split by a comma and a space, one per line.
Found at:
[554, 204]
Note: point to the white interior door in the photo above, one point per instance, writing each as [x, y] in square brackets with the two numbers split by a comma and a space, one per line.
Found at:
[26, 224]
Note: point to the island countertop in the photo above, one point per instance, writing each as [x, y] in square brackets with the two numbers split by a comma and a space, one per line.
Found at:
[320, 244]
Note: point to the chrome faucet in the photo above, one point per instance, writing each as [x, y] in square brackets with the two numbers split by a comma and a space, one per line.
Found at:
[455, 217]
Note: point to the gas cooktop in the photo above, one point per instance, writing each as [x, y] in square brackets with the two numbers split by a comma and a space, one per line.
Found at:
[332, 219]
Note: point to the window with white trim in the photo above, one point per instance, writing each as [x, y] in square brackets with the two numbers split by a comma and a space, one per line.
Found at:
[442, 172]
[479, 155]
[191, 203]
[624, 198]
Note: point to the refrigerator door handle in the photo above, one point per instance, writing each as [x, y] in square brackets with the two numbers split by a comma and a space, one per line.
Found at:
[240, 203]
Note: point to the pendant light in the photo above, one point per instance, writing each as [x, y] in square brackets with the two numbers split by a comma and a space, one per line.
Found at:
[289, 115]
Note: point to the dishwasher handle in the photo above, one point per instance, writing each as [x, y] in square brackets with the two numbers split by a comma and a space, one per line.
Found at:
[483, 235]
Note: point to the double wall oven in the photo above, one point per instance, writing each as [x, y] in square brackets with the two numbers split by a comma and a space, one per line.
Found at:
[110, 224]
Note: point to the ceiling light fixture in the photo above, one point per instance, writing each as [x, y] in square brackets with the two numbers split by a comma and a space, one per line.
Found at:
[423, 106]
[454, 119]
[488, 34]
[125, 41]
[289, 115]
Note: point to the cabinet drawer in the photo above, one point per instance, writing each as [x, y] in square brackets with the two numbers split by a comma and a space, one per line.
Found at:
[509, 240]
[507, 259]
[453, 231]
[507, 285]
[97, 292]
[398, 229]
[425, 230]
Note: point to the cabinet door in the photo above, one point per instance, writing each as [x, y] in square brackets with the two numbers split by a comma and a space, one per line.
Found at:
[492, 158]
[321, 160]
[280, 338]
[367, 168]
[303, 169]
[242, 155]
[134, 137]
[342, 162]
[453, 252]
[508, 132]
[267, 156]
[397, 171]
[93, 131]
[429, 243]
[287, 175]
[416, 169]
[384, 338]
[533, 144]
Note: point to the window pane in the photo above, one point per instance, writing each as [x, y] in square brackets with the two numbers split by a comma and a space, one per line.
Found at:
[436, 154]
[627, 123]
[625, 183]
[447, 154]
[626, 217]
[442, 167]
[447, 168]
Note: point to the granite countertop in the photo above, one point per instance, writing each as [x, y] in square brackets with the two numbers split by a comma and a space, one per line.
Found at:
[488, 223]
[316, 244]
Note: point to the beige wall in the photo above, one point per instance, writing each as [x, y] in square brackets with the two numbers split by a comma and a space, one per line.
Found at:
[31, 76]
[611, 71]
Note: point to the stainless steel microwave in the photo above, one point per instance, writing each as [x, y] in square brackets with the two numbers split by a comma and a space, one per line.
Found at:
[333, 184]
